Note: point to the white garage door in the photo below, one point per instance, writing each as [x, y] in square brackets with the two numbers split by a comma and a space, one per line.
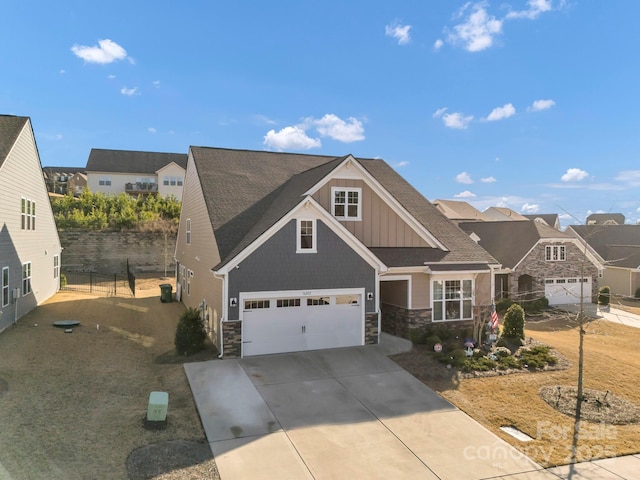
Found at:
[562, 291]
[292, 323]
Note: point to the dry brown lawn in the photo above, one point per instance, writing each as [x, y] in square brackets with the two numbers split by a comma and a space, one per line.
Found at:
[612, 362]
[72, 405]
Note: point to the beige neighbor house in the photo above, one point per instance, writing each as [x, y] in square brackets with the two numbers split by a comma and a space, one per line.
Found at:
[538, 260]
[29, 244]
[136, 173]
[618, 248]
[288, 252]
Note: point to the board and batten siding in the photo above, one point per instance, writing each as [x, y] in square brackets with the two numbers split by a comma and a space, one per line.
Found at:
[380, 226]
[201, 255]
[21, 176]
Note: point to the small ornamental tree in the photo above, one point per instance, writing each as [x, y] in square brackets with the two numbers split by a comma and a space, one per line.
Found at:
[513, 325]
[604, 295]
[190, 333]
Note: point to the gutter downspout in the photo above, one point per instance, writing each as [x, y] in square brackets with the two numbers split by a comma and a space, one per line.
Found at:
[224, 310]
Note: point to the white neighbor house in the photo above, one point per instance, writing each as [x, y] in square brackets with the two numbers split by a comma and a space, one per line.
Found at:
[29, 244]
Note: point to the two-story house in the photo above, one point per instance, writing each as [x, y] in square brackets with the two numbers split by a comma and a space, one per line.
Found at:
[29, 244]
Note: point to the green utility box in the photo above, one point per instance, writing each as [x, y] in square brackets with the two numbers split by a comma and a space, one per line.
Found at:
[166, 293]
[158, 405]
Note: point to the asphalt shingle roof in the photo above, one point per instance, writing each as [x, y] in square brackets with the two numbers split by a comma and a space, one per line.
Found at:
[618, 245]
[246, 192]
[10, 128]
[509, 242]
[127, 161]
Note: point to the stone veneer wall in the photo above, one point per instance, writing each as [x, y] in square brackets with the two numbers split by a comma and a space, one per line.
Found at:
[232, 339]
[107, 252]
[538, 268]
[371, 329]
[401, 322]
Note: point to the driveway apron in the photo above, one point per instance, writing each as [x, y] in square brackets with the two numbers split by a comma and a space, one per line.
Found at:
[342, 413]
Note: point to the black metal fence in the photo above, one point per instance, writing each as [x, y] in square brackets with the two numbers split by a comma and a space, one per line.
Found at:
[132, 279]
[112, 285]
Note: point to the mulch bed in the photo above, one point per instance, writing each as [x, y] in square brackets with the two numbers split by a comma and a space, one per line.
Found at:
[597, 406]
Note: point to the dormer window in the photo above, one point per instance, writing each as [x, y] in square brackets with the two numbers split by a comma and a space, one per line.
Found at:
[346, 203]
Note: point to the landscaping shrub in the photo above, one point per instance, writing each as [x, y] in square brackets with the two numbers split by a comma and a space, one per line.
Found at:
[503, 304]
[637, 295]
[604, 295]
[432, 340]
[536, 306]
[513, 326]
[537, 357]
[479, 364]
[418, 336]
[507, 362]
[63, 280]
[190, 333]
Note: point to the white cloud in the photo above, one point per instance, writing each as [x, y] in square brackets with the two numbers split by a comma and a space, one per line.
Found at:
[536, 7]
[259, 119]
[465, 194]
[404, 163]
[638, 209]
[437, 45]
[62, 72]
[156, 83]
[111, 77]
[540, 105]
[334, 127]
[488, 180]
[478, 30]
[438, 113]
[294, 138]
[574, 175]
[500, 113]
[129, 91]
[399, 32]
[530, 208]
[456, 120]
[106, 51]
[464, 177]
[151, 130]
[632, 177]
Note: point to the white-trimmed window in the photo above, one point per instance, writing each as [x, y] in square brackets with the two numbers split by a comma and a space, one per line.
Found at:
[346, 203]
[306, 234]
[56, 266]
[5, 286]
[254, 304]
[555, 253]
[315, 301]
[452, 300]
[287, 302]
[104, 181]
[26, 278]
[28, 214]
[188, 231]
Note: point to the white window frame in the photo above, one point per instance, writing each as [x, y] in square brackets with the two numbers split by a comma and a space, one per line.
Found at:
[314, 236]
[347, 191]
[5, 293]
[27, 214]
[188, 229]
[56, 266]
[104, 181]
[555, 253]
[444, 300]
[26, 278]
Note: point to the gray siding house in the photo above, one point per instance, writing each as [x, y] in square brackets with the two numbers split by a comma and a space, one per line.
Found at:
[287, 252]
[29, 244]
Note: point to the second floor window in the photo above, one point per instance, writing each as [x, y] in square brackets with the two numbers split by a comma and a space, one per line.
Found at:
[306, 236]
[104, 181]
[188, 231]
[555, 253]
[28, 214]
[346, 203]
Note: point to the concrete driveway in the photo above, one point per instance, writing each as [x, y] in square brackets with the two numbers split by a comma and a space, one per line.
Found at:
[343, 413]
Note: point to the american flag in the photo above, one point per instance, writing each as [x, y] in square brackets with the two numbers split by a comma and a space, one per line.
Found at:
[493, 323]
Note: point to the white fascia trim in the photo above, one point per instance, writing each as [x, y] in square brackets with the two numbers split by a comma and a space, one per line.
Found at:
[168, 165]
[382, 193]
[305, 209]
[578, 242]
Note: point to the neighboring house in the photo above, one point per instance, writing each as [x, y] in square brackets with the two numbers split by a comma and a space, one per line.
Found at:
[77, 183]
[605, 219]
[288, 252]
[537, 261]
[136, 173]
[460, 211]
[501, 214]
[58, 178]
[550, 219]
[618, 248]
[29, 244]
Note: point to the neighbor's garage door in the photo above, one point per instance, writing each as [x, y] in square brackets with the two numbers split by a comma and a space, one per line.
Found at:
[292, 323]
[562, 291]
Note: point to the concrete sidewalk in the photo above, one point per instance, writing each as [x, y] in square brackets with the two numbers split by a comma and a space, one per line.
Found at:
[609, 313]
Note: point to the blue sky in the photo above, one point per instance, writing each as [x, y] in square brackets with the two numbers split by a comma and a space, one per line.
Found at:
[531, 105]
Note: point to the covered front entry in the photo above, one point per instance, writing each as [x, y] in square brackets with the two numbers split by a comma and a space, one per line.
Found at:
[562, 291]
[297, 321]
